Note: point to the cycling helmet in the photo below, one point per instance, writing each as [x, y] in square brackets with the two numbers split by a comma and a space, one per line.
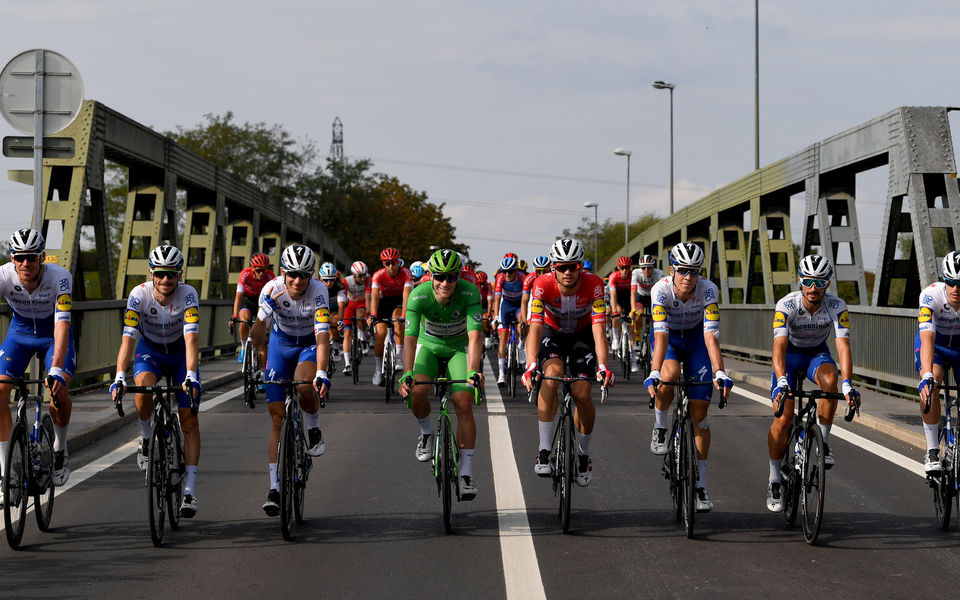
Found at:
[511, 255]
[816, 266]
[951, 265]
[259, 260]
[686, 254]
[297, 257]
[389, 254]
[400, 261]
[624, 261]
[566, 250]
[166, 257]
[328, 270]
[648, 261]
[26, 240]
[444, 261]
[359, 268]
[588, 265]
[509, 263]
[523, 266]
[415, 263]
[416, 269]
[466, 268]
[481, 277]
[541, 262]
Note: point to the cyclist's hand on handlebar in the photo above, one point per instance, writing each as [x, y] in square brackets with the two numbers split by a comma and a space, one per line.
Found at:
[652, 382]
[231, 322]
[782, 389]
[321, 383]
[925, 387]
[605, 376]
[406, 384]
[528, 376]
[476, 378]
[722, 382]
[853, 396]
[119, 386]
[191, 385]
[55, 381]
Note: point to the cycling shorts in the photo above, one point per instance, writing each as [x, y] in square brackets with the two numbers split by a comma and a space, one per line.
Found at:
[427, 362]
[284, 353]
[690, 349]
[803, 361]
[387, 305]
[644, 301]
[623, 301]
[944, 354]
[18, 349]
[251, 304]
[576, 348]
[509, 313]
[159, 360]
[351, 312]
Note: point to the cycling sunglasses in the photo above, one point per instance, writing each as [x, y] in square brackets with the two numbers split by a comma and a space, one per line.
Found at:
[389, 263]
[442, 277]
[567, 267]
[166, 274]
[687, 271]
[26, 257]
[298, 274]
[952, 282]
[623, 268]
[811, 282]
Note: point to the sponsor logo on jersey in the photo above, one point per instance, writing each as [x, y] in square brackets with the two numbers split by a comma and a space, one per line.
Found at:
[536, 307]
[925, 315]
[323, 315]
[711, 313]
[659, 313]
[599, 307]
[131, 318]
[844, 320]
[779, 319]
[191, 315]
[64, 303]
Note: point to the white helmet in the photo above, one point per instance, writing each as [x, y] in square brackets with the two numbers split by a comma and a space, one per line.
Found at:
[647, 260]
[26, 240]
[951, 265]
[328, 270]
[686, 254]
[359, 268]
[166, 257]
[566, 250]
[815, 266]
[297, 257]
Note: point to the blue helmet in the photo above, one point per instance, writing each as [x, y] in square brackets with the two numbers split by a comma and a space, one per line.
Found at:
[416, 269]
[588, 265]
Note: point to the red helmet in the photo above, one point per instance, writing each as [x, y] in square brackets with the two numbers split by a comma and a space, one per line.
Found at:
[481, 277]
[259, 260]
[624, 261]
[389, 254]
[511, 255]
[466, 268]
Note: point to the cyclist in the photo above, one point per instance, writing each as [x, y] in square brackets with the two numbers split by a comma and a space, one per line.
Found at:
[418, 272]
[467, 273]
[40, 296]
[444, 324]
[937, 348]
[588, 266]
[165, 314]
[389, 290]
[619, 285]
[252, 280]
[801, 324]
[541, 266]
[358, 286]
[336, 292]
[507, 295]
[567, 321]
[641, 282]
[299, 346]
[486, 306]
[686, 328]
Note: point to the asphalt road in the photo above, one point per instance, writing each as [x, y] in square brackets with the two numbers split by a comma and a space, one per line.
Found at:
[373, 526]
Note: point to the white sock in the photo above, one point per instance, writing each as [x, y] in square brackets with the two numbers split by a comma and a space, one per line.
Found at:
[702, 473]
[346, 358]
[502, 362]
[424, 423]
[274, 482]
[399, 353]
[585, 443]
[313, 420]
[59, 437]
[826, 432]
[466, 462]
[660, 419]
[546, 434]
[775, 475]
[362, 335]
[3, 458]
[190, 480]
[932, 433]
[377, 364]
[145, 429]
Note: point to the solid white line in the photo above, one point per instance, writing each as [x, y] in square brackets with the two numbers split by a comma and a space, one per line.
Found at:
[521, 570]
[915, 467]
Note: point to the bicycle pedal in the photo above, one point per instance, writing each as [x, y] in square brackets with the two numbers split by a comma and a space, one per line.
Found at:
[665, 471]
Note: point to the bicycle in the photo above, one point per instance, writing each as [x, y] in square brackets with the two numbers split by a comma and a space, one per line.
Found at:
[293, 462]
[803, 465]
[563, 455]
[389, 357]
[645, 352]
[29, 470]
[251, 364]
[356, 356]
[513, 358]
[446, 451]
[945, 482]
[680, 461]
[166, 468]
[624, 351]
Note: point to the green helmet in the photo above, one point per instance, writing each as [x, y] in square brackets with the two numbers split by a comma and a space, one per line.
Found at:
[444, 261]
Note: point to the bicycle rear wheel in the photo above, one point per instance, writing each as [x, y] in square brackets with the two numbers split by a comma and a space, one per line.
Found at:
[388, 356]
[43, 496]
[445, 471]
[355, 365]
[790, 485]
[285, 471]
[176, 472]
[625, 345]
[672, 464]
[512, 369]
[688, 475]
[303, 464]
[15, 482]
[249, 375]
[814, 484]
[158, 476]
[567, 456]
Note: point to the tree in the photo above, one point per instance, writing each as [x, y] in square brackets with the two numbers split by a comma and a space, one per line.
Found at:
[610, 234]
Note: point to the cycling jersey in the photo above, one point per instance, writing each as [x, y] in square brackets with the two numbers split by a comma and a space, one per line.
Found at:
[937, 315]
[641, 285]
[566, 314]
[806, 330]
[528, 282]
[470, 276]
[509, 291]
[163, 327]
[338, 290]
[357, 291]
[669, 314]
[619, 288]
[301, 319]
[250, 286]
[391, 286]
[35, 313]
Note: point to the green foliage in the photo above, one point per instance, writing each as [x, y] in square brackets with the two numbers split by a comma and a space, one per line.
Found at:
[609, 235]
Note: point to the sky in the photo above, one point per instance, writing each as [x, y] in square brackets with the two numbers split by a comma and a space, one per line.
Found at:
[508, 112]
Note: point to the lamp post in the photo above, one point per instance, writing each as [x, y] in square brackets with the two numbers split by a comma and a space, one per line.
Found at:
[660, 85]
[756, 85]
[596, 254]
[626, 225]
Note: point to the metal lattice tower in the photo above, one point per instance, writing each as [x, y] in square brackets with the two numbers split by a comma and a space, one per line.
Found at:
[336, 145]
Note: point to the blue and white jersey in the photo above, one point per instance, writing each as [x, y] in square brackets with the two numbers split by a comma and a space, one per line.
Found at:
[161, 324]
[935, 312]
[51, 302]
[806, 330]
[669, 313]
[307, 315]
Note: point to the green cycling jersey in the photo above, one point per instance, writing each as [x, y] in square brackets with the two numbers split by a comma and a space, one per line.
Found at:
[443, 325]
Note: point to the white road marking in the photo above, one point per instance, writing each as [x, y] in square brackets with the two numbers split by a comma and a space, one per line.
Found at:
[914, 466]
[521, 570]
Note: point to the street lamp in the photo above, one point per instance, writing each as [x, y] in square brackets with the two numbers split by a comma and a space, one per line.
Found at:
[669, 86]
[626, 225]
[596, 254]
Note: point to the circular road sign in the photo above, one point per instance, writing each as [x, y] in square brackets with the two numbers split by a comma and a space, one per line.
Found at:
[62, 91]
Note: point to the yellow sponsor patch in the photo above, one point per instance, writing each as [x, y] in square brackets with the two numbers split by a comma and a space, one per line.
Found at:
[599, 307]
[536, 307]
[779, 319]
[131, 318]
[711, 313]
[192, 315]
[925, 315]
[64, 303]
[51, 259]
[659, 313]
[323, 315]
[844, 320]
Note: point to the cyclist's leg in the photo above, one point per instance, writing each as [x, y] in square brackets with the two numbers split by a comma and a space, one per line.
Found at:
[503, 332]
[16, 355]
[242, 328]
[306, 369]
[826, 376]
[463, 399]
[698, 367]
[425, 368]
[281, 360]
[349, 314]
[583, 363]
[398, 331]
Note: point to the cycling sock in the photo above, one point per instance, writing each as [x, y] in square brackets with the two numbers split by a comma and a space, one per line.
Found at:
[775, 475]
[377, 364]
[346, 358]
[399, 353]
[362, 335]
[313, 419]
[190, 480]
[59, 437]
[3, 458]
[584, 443]
[425, 428]
[826, 432]
[546, 434]
[274, 483]
[145, 429]
[932, 433]
[502, 362]
[660, 420]
[466, 462]
[702, 473]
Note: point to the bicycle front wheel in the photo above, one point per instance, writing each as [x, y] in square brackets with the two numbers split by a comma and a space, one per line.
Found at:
[790, 479]
[567, 456]
[157, 479]
[625, 347]
[388, 356]
[688, 474]
[355, 365]
[43, 496]
[512, 368]
[814, 484]
[303, 464]
[445, 471]
[285, 469]
[15, 483]
[176, 472]
[249, 375]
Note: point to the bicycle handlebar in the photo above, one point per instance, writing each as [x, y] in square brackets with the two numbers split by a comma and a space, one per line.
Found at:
[291, 383]
[816, 395]
[540, 377]
[685, 384]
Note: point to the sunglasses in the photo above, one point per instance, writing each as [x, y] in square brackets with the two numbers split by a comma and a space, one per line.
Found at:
[389, 263]
[298, 274]
[542, 271]
[623, 268]
[568, 267]
[952, 282]
[443, 277]
[646, 267]
[166, 274]
[26, 257]
[329, 280]
[258, 270]
[811, 282]
[687, 271]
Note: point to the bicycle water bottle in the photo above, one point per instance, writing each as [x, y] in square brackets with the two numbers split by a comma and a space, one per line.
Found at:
[799, 447]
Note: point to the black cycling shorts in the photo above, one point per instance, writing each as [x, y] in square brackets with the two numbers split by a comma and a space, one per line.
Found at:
[577, 348]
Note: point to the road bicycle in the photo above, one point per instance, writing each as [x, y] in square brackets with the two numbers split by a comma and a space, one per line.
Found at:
[513, 358]
[389, 358]
[644, 352]
[624, 350]
[29, 472]
[166, 468]
[250, 366]
[945, 482]
[563, 457]
[293, 462]
[803, 466]
[356, 356]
